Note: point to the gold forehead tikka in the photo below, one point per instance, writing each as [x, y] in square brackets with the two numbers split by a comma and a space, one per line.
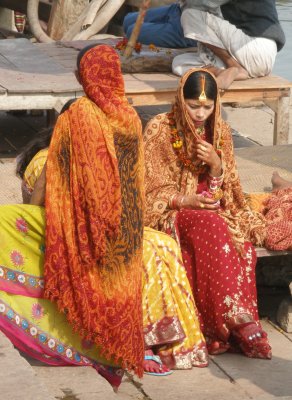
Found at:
[203, 97]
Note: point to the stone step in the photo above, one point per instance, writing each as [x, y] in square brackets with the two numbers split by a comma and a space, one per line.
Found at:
[17, 377]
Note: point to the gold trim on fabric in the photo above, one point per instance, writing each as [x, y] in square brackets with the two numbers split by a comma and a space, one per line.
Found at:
[166, 330]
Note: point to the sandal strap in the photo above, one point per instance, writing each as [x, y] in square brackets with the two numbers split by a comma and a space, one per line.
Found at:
[153, 358]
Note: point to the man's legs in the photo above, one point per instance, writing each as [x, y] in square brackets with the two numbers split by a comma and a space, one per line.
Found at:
[255, 55]
[161, 27]
[241, 55]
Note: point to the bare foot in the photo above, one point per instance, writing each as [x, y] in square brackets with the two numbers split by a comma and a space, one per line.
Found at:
[226, 77]
[234, 70]
[278, 182]
[152, 366]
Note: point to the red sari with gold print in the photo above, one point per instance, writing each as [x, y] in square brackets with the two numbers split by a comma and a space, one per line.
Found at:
[217, 246]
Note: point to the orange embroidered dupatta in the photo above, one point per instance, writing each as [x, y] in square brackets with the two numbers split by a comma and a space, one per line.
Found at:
[94, 213]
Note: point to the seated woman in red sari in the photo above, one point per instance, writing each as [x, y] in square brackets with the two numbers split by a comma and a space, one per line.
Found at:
[193, 192]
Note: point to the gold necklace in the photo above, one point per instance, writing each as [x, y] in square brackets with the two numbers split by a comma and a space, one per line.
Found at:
[177, 144]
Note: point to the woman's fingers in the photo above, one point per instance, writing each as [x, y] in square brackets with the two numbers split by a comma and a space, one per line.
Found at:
[207, 203]
[204, 150]
[206, 200]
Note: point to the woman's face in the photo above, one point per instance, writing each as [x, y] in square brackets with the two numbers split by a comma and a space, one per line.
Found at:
[199, 111]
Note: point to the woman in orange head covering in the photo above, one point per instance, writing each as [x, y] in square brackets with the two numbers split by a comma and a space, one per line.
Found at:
[94, 213]
[193, 191]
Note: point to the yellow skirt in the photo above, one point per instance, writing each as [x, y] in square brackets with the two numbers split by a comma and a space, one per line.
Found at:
[36, 327]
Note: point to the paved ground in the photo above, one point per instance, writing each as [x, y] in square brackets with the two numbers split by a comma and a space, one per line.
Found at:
[229, 376]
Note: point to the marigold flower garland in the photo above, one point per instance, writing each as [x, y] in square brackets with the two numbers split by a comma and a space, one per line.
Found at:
[121, 45]
[177, 144]
[214, 183]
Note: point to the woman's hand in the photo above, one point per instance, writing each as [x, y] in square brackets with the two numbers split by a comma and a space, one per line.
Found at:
[207, 154]
[199, 202]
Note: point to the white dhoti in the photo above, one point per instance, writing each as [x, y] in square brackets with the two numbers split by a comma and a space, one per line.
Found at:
[256, 55]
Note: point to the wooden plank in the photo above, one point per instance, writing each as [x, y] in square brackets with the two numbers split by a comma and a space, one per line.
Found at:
[23, 56]
[257, 89]
[36, 101]
[17, 82]
[150, 83]
[251, 95]
[268, 87]
[262, 252]
[281, 122]
[143, 94]
[47, 68]
[28, 70]
[145, 99]
[55, 49]
[266, 82]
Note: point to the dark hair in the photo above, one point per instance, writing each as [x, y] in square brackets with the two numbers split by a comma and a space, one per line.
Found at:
[67, 105]
[192, 87]
[83, 51]
[38, 143]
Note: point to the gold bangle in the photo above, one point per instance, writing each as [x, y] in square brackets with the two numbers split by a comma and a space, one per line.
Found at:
[171, 202]
[180, 203]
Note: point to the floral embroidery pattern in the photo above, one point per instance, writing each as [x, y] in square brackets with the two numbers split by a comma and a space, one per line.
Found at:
[21, 225]
[42, 337]
[249, 263]
[37, 311]
[234, 302]
[17, 258]
[235, 309]
[226, 248]
[21, 279]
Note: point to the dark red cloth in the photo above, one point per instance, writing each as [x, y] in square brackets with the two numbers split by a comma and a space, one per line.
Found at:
[223, 282]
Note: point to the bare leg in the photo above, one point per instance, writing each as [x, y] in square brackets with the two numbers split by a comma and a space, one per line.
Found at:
[278, 182]
[233, 72]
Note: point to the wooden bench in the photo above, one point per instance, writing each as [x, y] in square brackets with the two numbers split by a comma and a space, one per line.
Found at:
[273, 91]
[262, 252]
[41, 77]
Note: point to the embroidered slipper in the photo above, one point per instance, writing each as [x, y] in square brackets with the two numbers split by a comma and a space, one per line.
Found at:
[158, 361]
[253, 341]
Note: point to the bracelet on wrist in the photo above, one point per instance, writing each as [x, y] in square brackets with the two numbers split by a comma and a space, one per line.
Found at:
[216, 178]
[175, 201]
